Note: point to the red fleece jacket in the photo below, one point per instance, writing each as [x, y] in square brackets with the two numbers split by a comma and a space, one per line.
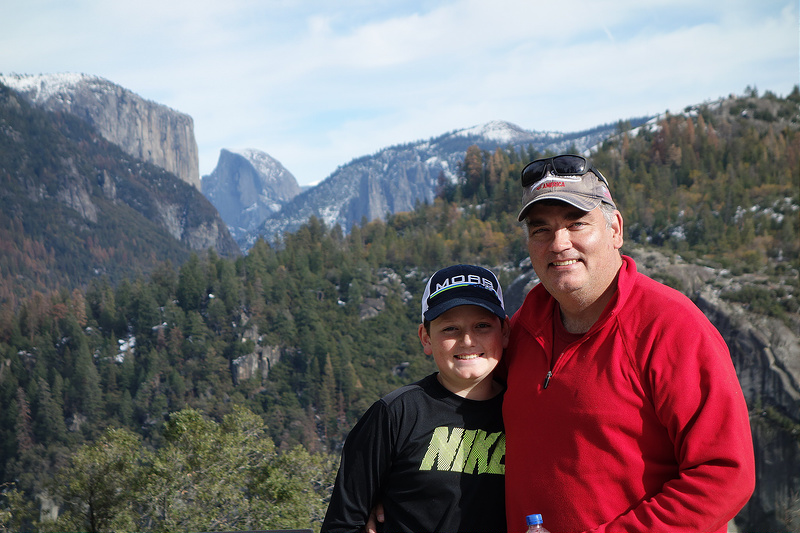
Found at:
[642, 427]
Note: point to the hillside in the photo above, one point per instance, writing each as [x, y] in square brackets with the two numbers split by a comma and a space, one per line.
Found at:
[74, 207]
[305, 336]
[144, 129]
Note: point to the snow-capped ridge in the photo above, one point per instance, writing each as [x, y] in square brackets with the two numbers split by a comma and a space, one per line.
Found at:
[144, 129]
[496, 130]
[264, 163]
[45, 86]
[397, 178]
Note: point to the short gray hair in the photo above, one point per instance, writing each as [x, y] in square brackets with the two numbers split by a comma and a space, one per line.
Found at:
[608, 211]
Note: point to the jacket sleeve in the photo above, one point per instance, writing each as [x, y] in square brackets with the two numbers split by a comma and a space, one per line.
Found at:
[366, 459]
[698, 398]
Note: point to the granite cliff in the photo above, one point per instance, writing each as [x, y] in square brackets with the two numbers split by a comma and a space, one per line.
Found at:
[246, 187]
[145, 130]
[397, 178]
[74, 206]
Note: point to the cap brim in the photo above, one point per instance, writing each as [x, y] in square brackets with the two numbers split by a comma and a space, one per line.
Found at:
[435, 311]
[581, 202]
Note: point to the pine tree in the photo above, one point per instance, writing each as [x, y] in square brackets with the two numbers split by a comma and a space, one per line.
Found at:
[48, 422]
[191, 289]
[24, 429]
[98, 487]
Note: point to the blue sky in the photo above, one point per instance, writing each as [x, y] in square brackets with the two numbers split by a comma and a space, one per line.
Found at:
[316, 84]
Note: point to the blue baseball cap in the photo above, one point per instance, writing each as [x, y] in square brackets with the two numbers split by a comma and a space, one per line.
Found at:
[462, 285]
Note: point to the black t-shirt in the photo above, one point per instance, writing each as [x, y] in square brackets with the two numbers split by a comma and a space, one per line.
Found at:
[436, 461]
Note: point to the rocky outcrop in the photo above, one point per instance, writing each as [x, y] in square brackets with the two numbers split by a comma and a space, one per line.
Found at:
[397, 178]
[257, 363]
[143, 129]
[766, 354]
[57, 166]
[246, 187]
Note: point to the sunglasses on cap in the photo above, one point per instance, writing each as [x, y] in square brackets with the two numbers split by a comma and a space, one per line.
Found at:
[561, 165]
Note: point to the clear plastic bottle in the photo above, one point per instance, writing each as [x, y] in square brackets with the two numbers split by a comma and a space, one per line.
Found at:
[535, 524]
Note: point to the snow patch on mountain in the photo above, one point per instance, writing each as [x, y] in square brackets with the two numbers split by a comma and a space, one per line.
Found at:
[42, 87]
[497, 130]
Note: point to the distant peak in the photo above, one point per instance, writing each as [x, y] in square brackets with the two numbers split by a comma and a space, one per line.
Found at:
[496, 130]
[252, 154]
[261, 161]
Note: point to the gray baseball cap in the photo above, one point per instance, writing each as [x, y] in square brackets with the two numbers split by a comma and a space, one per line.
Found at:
[542, 181]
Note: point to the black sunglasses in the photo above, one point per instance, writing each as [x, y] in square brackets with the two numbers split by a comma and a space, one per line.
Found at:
[561, 165]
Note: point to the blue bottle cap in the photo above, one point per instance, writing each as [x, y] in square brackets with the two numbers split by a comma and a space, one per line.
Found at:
[532, 519]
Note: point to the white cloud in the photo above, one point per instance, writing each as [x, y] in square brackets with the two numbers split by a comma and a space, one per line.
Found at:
[317, 84]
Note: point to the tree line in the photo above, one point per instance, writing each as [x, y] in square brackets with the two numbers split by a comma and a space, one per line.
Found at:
[118, 409]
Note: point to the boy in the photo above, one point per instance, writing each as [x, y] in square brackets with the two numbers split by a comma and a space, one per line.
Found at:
[433, 452]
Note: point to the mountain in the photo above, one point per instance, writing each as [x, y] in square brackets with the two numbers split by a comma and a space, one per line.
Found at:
[74, 206]
[310, 333]
[399, 177]
[145, 130]
[246, 187]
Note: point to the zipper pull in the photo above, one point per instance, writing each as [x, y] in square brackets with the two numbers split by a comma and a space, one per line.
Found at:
[547, 379]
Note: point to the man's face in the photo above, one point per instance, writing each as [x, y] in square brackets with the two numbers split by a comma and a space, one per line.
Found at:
[575, 253]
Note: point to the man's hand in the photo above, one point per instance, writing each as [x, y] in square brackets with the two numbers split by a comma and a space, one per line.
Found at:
[375, 516]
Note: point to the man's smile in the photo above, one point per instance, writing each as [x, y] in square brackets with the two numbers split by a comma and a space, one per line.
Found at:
[565, 263]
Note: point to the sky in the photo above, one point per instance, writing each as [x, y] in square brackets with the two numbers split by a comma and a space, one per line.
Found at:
[317, 84]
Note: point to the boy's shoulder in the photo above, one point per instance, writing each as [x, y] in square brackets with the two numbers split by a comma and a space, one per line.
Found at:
[426, 385]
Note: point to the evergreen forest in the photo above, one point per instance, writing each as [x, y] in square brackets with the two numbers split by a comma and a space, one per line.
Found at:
[128, 404]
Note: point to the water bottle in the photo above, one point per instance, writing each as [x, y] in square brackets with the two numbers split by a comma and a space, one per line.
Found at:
[535, 524]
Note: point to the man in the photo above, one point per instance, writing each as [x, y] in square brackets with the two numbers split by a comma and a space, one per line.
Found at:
[623, 410]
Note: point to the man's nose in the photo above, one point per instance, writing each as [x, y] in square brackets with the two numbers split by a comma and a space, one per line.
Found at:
[561, 240]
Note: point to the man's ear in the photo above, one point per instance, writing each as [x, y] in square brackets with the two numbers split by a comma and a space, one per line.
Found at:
[616, 226]
[425, 339]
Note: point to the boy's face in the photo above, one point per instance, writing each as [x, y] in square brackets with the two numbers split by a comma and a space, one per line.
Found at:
[466, 343]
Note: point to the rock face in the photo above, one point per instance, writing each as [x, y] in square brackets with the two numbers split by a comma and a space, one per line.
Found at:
[257, 363]
[143, 129]
[397, 178]
[100, 211]
[766, 354]
[248, 186]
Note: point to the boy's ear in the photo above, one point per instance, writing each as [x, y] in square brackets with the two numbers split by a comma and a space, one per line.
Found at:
[506, 331]
[425, 339]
